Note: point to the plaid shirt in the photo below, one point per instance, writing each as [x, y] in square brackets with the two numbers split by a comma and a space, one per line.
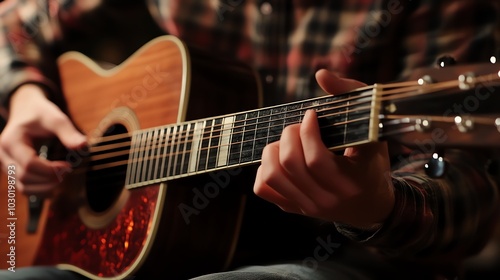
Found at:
[287, 41]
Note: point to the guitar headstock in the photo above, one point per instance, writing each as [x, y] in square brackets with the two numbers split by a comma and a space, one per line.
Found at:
[457, 106]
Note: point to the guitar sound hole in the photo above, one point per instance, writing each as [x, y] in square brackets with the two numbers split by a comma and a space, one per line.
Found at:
[106, 175]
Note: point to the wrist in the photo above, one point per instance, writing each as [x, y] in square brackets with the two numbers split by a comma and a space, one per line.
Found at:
[26, 93]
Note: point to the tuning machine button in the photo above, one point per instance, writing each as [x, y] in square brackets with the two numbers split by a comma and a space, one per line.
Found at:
[422, 125]
[445, 61]
[425, 80]
[497, 124]
[464, 124]
[466, 81]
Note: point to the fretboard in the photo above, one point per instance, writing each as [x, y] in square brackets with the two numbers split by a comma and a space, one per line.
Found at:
[173, 151]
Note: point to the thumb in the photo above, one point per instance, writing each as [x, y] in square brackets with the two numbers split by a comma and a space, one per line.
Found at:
[367, 150]
[67, 133]
[334, 84]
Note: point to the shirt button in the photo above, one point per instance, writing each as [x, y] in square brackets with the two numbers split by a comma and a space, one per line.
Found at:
[266, 8]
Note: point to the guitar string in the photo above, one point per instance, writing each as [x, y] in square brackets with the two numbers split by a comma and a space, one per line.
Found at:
[157, 179]
[95, 158]
[179, 167]
[183, 132]
[183, 135]
[411, 90]
[182, 138]
[180, 170]
[183, 153]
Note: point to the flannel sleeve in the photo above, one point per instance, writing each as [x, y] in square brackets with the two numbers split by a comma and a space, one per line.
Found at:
[449, 217]
[26, 33]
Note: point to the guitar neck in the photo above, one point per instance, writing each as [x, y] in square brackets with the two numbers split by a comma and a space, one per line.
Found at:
[180, 150]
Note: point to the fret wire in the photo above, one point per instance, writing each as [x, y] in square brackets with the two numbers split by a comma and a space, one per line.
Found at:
[346, 118]
[195, 146]
[245, 145]
[166, 153]
[243, 138]
[216, 158]
[158, 168]
[225, 140]
[146, 156]
[205, 143]
[151, 165]
[214, 143]
[187, 146]
[175, 149]
[255, 136]
[180, 146]
[140, 156]
[265, 133]
[235, 147]
[171, 146]
[132, 162]
[209, 144]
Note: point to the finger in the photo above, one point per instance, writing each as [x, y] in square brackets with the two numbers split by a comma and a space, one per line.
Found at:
[28, 160]
[292, 160]
[37, 175]
[32, 169]
[321, 162]
[367, 150]
[62, 127]
[269, 194]
[41, 190]
[333, 84]
[274, 176]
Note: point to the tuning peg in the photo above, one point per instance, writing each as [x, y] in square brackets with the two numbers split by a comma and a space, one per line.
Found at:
[436, 167]
[495, 58]
[445, 61]
[464, 124]
[425, 80]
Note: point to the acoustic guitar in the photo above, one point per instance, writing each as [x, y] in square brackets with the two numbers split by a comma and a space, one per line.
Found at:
[157, 192]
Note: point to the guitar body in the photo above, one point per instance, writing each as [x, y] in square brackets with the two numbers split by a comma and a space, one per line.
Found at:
[99, 228]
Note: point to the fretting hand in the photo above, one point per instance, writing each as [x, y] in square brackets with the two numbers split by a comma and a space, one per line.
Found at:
[300, 175]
